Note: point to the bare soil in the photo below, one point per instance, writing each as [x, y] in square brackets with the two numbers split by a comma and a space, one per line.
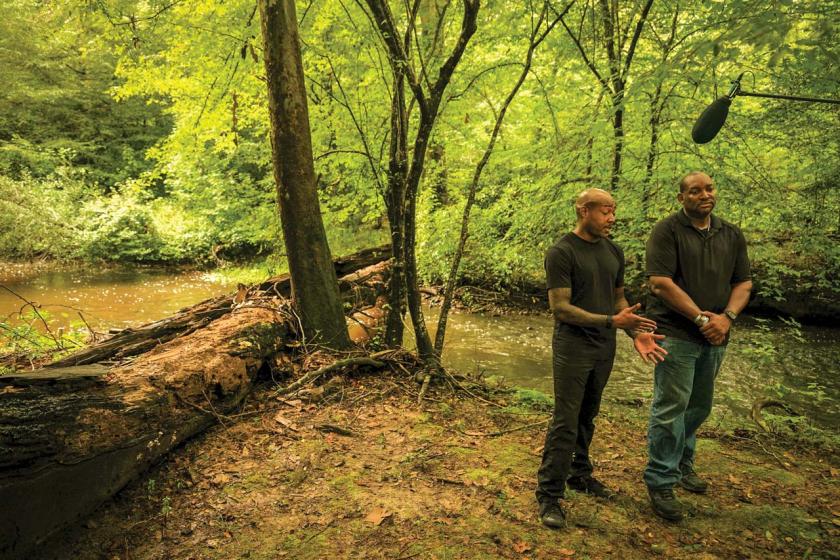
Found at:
[356, 469]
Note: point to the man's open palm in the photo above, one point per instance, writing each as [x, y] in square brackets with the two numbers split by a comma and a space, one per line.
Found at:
[648, 348]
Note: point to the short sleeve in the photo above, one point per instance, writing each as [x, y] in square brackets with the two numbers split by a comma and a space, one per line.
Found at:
[558, 268]
[741, 273]
[661, 252]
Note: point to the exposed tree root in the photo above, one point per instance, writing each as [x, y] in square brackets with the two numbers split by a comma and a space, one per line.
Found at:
[760, 404]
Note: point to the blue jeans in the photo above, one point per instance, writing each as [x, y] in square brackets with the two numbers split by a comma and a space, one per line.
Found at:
[683, 389]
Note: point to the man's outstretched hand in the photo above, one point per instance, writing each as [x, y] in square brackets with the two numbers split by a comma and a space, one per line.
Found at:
[648, 348]
[627, 319]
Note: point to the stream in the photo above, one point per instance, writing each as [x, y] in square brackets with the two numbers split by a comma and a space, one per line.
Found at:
[764, 358]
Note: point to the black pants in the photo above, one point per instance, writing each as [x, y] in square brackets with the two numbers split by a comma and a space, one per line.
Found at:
[581, 371]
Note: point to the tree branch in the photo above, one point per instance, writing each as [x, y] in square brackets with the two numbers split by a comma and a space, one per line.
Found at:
[586, 60]
[636, 34]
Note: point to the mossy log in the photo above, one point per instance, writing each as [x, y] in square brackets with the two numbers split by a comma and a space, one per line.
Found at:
[72, 436]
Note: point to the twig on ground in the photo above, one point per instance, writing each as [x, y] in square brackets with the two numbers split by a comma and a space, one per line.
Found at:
[760, 404]
[313, 375]
[332, 428]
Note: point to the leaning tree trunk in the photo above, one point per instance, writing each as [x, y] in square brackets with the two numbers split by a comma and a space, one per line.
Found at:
[70, 437]
[314, 283]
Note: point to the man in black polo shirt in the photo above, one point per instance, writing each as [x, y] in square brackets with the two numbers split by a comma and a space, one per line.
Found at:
[699, 275]
[585, 271]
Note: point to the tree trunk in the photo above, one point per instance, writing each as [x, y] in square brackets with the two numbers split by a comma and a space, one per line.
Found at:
[395, 204]
[314, 286]
[650, 163]
[428, 103]
[425, 349]
[71, 438]
[618, 135]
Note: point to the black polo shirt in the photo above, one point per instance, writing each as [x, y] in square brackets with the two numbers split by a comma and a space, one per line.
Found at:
[593, 270]
[704, 264]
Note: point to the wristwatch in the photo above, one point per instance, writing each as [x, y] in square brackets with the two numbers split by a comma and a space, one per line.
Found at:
[609, 322]
[700, 320]
[731, 314]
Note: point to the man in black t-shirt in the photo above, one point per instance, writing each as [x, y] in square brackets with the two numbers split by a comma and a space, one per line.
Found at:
[585, 281]
[699, 275]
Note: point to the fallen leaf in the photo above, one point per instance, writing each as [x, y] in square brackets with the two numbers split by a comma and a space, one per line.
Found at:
[378, 515]
[220, 479]
[280, 419]
[734, 479]
[521, 547]
[566, 552]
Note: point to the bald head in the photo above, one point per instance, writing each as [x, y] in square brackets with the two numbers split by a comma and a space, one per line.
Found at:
[591, 198]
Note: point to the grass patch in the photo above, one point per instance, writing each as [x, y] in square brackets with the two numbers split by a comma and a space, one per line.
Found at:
[530, 400]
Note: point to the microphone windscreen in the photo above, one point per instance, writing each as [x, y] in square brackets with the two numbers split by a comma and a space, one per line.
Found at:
[711, 121]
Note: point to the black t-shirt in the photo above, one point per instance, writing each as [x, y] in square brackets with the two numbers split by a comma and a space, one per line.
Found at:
[703, 264]
[593, 270]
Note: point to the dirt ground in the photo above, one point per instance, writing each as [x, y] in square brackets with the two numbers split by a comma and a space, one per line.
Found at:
[364, 472]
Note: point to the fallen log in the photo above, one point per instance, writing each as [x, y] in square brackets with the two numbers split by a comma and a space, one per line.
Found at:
[72, 436]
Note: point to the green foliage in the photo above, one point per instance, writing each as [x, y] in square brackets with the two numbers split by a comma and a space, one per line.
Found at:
[119, 227]
[531, 399]
[138, 131]
[31, 336]
[34, 216]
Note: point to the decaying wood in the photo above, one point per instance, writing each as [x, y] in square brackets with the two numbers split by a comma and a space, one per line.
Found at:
[72, 435]
[760, 404]
[71, 438]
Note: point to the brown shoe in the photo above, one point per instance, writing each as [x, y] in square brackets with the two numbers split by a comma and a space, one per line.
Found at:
[665, 504]
[693, 483]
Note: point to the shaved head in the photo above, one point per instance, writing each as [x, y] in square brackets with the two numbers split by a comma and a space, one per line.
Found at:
[591, 198]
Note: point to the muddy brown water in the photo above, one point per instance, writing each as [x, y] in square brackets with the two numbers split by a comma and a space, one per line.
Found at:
[514, 347]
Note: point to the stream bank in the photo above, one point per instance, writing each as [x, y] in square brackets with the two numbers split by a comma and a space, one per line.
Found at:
[359, 470]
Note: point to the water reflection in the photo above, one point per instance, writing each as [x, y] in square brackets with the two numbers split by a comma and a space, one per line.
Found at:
[519, 349]
[113, 297]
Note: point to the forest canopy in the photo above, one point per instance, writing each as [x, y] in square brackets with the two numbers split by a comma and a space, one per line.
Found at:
[137, 130]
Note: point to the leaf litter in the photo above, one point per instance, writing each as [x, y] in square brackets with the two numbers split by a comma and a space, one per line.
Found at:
[411, 483]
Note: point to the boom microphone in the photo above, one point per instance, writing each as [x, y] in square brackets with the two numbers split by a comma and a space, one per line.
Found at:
[713, 117]
[711, 121]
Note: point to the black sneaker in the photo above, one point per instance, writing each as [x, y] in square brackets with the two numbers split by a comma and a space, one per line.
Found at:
[590, 485]
[693, 483]
[552, 514]
[665, 504]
